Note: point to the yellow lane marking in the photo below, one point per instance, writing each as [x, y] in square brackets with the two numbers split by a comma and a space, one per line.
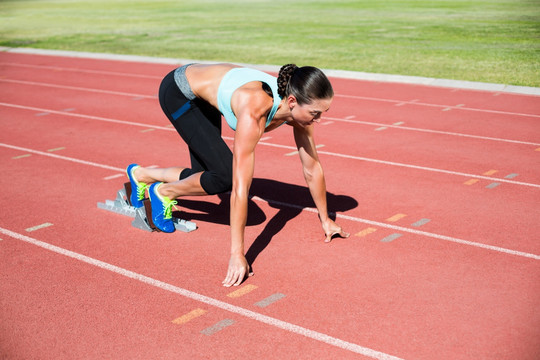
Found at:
[396, 217]
[491, 172]
[189, 316]
[21, 156]
[56, 149]
[242, 291]
[42, 226]
[366, 232]
[471, 181]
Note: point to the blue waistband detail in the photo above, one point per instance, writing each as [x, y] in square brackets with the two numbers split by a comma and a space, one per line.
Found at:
[175, 115]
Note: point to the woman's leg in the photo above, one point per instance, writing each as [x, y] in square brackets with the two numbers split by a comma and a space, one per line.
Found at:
[178, 110]
[152, 175]
[172, 187]
[199, 125]
[211, 158]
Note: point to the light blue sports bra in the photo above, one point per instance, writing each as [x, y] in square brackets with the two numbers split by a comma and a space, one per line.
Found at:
[233, 80]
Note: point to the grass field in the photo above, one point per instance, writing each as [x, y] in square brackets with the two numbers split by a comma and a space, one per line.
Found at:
[494, 41]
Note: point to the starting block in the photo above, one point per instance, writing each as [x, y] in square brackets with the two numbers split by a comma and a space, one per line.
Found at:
[143, 215]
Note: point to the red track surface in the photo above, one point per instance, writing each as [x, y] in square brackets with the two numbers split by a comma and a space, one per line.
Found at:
[463, 285]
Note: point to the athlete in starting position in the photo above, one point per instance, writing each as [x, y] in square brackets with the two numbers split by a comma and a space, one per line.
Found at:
[252, 102]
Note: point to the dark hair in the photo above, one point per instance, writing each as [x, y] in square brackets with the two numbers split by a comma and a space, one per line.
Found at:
[306, 83]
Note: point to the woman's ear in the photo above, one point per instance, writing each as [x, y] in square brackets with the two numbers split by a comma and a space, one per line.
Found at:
[291, 101]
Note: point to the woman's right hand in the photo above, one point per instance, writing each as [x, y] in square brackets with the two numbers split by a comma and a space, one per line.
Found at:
[237, 271]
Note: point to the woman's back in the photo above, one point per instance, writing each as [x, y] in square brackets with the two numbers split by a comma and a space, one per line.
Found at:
[205, 80]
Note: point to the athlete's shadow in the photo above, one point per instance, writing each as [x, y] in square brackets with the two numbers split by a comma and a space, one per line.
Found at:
[216, 213]
[289, 199]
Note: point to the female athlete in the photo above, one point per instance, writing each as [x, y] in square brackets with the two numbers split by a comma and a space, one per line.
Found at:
[194, 97]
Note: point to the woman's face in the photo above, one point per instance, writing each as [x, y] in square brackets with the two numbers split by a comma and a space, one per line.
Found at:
[307, 114]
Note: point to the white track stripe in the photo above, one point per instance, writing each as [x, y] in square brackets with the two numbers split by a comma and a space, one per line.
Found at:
[433, 131]
[429, 169]
[97, 72]
[111, 73]
[87, 117]
[323, 338]
[410, 166]
[326, 118]
[439, 106]
[352, 218]
[408, 230]
[84, 162]
[391, 163]
[110, 92]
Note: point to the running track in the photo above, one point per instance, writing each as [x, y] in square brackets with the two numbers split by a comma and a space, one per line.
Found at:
[439, 188]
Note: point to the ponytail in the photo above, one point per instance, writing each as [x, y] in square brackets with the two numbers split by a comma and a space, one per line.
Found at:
[306, 84]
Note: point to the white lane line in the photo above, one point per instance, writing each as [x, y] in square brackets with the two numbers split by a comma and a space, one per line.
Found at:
[417, 167]
[415, 101]
[85, 71]
[453, 107]
[352, 218]
[328, 120]
[78, 88]
[408, 230]
[99, 118]
[84, 162]
[457, 173]
[296, 152]
[409, 166]
[439, 106]
[113, 177]
[449, 133]
[317, 336]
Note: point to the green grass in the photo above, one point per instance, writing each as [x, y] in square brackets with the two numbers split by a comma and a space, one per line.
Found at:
[478, 40]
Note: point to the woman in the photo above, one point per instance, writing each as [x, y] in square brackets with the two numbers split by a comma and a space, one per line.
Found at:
[252, 102]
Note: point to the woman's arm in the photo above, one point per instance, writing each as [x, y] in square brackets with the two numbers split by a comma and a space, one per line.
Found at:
[249, 129]
[314, 175]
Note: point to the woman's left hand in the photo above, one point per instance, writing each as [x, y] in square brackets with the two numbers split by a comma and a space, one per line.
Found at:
[331, 229]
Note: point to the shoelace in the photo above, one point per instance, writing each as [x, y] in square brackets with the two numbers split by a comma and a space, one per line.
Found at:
[167, 207]
[141, 189]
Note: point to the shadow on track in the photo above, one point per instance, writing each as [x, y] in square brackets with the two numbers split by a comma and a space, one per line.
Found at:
[289, 199]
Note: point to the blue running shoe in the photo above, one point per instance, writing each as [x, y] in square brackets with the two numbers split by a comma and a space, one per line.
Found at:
[161, 209]
[137, 188]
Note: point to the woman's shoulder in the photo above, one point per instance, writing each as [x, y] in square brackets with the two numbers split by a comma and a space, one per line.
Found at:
[253, 96]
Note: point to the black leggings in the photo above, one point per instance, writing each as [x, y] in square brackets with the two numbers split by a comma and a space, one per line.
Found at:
[199, 124]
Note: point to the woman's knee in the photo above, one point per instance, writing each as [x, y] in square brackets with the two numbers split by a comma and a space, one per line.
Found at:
[214, 183]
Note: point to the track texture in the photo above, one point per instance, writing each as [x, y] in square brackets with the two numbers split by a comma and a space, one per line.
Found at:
[440, 189]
